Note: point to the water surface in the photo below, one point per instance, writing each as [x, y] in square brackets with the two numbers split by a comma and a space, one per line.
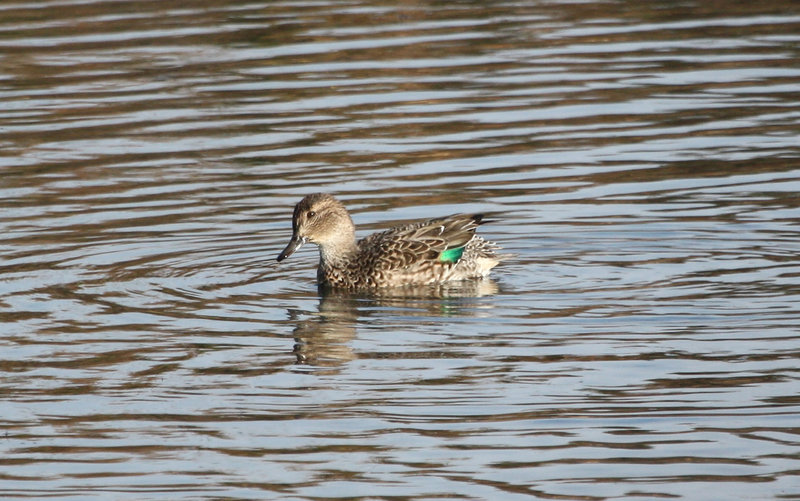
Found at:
[640, 159]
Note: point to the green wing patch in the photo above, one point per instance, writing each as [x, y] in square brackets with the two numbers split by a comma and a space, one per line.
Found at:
[451, 255]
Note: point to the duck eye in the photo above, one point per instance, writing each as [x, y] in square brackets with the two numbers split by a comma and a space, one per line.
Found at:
[311, 214]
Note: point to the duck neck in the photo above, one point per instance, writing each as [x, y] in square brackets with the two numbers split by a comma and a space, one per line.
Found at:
[337, 251]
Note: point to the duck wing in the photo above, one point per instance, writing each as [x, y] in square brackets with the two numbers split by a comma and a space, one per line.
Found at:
[423, 244]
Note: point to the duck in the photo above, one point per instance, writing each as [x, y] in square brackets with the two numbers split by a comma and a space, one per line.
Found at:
[434, 251]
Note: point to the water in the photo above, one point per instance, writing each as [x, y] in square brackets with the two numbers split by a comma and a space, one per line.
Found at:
[641, 159]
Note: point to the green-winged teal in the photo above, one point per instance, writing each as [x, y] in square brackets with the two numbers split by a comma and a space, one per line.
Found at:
[428, 252]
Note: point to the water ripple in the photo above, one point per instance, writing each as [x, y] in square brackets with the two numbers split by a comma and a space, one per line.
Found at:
[640, 161]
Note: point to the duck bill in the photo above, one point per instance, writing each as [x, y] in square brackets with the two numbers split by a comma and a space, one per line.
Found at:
[294, 244]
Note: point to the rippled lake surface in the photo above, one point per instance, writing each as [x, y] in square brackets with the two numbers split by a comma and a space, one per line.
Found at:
[641, 159]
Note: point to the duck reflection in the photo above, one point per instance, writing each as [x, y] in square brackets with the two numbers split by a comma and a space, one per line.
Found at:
[324, 339]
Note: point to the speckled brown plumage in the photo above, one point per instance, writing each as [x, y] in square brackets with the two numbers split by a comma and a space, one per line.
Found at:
[426, 252]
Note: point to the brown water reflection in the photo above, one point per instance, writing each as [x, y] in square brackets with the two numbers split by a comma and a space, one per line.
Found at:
[641, 159]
